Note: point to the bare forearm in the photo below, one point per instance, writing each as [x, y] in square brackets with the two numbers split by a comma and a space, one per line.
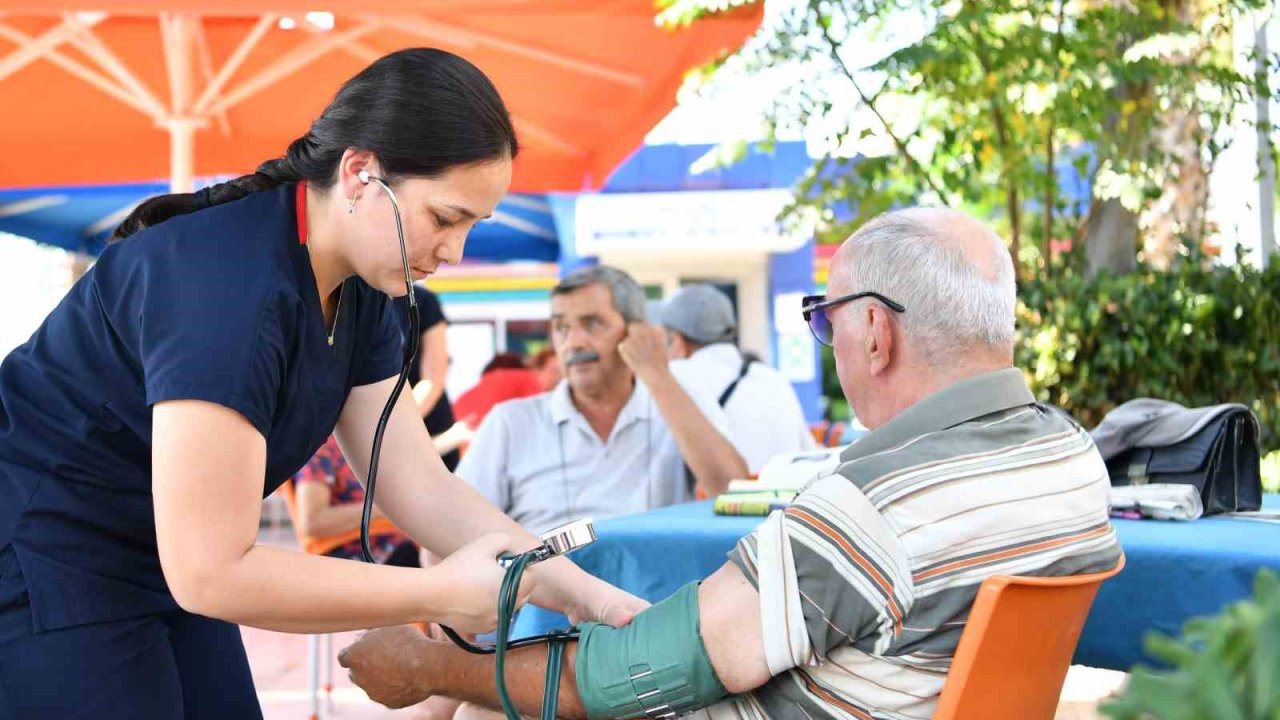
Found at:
[435, 507]
[429, 398]
[451, 439]
[433, 366]
[288, 591]
[448, 513]
[333, 520]
[471, 678]
[443, 513]
[711, 457]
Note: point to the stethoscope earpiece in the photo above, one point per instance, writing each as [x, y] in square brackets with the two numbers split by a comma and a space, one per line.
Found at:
[364, 176]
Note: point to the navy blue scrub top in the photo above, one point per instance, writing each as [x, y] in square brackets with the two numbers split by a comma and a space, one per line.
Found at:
[219, 305]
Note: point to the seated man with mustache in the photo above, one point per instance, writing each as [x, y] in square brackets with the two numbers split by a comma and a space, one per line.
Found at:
[615, 436]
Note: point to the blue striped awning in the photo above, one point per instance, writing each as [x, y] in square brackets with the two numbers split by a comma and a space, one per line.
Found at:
[82, 218]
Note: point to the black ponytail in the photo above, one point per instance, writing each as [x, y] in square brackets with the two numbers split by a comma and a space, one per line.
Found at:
[420, 111]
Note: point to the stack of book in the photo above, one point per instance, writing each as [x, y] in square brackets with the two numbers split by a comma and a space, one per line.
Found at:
[781, 479]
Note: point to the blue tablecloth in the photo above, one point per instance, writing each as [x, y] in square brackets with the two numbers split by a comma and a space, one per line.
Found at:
[1174, 571]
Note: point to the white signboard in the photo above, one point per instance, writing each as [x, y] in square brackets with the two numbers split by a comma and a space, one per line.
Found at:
[795, 357]
[787, 318]
[796, 346]
[683, 221]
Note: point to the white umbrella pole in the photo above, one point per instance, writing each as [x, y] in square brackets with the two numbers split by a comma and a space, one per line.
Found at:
[178, 33]
[182, 155]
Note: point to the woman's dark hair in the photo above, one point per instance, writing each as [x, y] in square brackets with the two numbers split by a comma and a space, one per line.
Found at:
[421, 111]
[504, 361]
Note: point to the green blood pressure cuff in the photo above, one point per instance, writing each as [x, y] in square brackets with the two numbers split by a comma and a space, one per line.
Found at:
[656, 666]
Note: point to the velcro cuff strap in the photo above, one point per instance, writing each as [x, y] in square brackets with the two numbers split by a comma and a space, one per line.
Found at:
[657, 666]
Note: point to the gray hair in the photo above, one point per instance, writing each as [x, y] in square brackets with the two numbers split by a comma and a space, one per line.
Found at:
[628, 296]
[950, 301]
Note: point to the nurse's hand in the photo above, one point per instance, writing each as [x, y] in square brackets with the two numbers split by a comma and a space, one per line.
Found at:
[470, 579]
[595, 600]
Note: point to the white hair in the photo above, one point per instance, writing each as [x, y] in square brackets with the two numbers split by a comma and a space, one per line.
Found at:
[950, 302]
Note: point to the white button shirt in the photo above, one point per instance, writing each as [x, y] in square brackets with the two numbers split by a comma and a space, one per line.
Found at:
[765, 417]
[538, 460]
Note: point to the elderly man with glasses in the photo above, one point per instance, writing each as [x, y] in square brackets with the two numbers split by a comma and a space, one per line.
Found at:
[851, 602]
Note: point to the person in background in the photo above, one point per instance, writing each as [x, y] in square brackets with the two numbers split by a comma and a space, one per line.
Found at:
[329, 502]
[503, 361]
[764, 413]
[615, 436]
[547, 367]
[503, 380]
[428, 374]
[851, 602]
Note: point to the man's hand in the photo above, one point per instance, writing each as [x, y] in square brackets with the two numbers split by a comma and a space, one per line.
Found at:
[391, 665]
[708, 453]
[644, 349]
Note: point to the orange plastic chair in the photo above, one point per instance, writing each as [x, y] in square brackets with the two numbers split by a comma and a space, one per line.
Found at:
[320, 647]
[827, 433]
[317, 545]
[1017, 646]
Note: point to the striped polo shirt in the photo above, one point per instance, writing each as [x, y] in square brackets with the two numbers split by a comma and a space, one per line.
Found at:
[866, 581]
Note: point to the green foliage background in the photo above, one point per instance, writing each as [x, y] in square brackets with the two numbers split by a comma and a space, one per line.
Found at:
[1195, 336]
[982, 107]
[1226, 667]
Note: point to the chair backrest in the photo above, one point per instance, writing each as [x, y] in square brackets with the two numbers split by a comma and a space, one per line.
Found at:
[1017, 646]
[827, 433]
[317, 545]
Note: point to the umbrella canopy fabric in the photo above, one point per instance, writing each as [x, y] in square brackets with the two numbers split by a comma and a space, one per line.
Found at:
[140, 90]
[82, 218]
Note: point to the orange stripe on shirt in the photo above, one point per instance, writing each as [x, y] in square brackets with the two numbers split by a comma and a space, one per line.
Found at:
[830, 533]
[1010, 553]
[831, 699]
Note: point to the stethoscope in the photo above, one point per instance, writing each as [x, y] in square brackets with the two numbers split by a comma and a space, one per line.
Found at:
[559, 541]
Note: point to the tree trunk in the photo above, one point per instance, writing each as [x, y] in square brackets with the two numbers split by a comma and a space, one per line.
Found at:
[1015, 222]
[1177, 216]
[1111, 238]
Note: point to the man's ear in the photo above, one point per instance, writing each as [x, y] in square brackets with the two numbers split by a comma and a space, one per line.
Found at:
[676, 348]
[879, 339]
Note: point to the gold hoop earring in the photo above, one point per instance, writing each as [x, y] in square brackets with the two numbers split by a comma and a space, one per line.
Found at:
[351, 205]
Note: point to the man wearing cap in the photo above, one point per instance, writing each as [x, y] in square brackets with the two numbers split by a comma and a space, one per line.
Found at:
[850, 603]
[614, 437]
[764, 413]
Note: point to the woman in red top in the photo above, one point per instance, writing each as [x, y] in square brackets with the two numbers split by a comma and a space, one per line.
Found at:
[330, 500]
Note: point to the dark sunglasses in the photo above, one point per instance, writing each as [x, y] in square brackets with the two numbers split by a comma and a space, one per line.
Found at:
[814, 308]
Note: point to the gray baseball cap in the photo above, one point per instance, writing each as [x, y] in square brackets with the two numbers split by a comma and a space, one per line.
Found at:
[701, 313]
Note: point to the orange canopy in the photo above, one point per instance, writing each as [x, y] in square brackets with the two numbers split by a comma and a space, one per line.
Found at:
[124, 90]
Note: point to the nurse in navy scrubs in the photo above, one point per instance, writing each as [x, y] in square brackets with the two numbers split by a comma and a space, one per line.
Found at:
[197, 366]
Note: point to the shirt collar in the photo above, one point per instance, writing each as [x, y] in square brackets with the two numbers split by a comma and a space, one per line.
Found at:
[960, 402]
[300, 206]
[563, 410]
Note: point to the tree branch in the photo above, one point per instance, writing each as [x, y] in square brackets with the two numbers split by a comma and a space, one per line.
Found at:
[870, 103]
[1051, 187]
[1002, 138]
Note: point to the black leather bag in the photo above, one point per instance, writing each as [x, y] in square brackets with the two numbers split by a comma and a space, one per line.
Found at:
[1220, 460]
